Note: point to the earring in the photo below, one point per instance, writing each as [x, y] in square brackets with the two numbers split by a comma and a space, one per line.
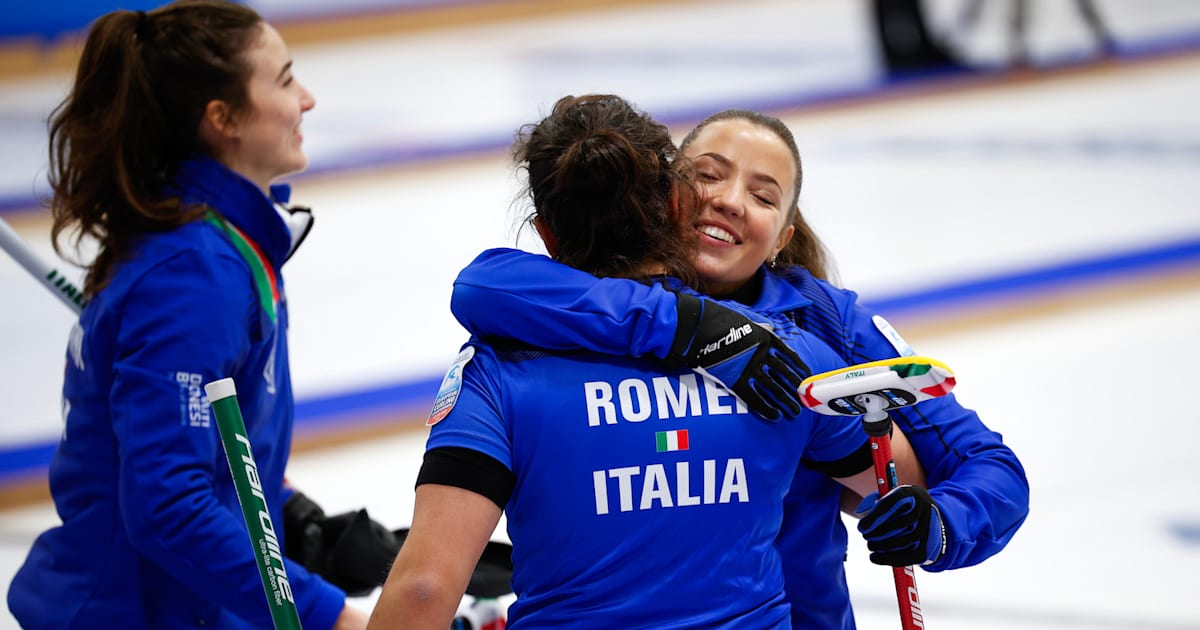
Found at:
[771, 263]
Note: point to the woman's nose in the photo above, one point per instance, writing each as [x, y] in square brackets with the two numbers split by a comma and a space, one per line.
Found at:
[307, 101]
[724, 198]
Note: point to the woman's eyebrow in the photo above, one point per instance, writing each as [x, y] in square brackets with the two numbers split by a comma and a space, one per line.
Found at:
[765, 178]
[721, 159]
[724, 161]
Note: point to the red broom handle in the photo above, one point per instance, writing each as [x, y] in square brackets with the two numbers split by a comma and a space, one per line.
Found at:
[885, 478]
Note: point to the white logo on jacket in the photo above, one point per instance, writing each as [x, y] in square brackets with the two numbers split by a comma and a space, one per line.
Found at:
[194, 408]
[636, 400]
[75, 346]
[638, 488]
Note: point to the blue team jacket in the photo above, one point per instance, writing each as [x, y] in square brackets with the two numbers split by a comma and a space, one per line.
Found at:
[976, 479]
[666, 498]
[152, 534]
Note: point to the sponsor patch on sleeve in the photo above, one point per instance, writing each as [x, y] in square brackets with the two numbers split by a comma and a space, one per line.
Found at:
[193, 403]
[451, 385]
[893, 337]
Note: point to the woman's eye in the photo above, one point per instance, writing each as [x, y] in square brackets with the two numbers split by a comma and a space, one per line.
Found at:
[707, 176]
[766, 201]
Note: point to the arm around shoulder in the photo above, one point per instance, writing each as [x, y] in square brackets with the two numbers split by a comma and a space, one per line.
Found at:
[534, 299]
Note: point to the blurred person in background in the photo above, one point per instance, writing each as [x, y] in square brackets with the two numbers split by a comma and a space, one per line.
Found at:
[1019, 22]
[757, 249]
[907, 45]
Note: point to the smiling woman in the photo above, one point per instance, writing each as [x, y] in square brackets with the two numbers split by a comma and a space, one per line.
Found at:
[163, 156]
[635, 459]
[745, 177]
[756, 248]
[262, 143]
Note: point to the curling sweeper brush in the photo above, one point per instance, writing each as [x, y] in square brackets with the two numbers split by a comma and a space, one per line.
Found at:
[871, 390]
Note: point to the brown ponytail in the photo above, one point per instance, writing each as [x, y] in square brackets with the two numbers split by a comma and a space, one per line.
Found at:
[602, 178]
[133, 114]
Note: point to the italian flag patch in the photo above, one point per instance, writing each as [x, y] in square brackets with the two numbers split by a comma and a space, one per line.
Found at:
[667, 441]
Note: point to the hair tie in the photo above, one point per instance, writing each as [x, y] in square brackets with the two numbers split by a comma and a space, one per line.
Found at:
[141, 29]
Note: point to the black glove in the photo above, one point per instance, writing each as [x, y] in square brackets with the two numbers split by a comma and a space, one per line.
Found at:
[740, 354]
[351, 551]
[359, 552]
[903, 528]
[302, 538]
[355, 553]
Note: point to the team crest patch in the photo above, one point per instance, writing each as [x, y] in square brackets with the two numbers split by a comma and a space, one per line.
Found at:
[893, 337]
[451, 385]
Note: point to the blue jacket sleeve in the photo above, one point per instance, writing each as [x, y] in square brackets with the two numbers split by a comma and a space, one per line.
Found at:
[521, 295]
[173, 506]
[976, 479]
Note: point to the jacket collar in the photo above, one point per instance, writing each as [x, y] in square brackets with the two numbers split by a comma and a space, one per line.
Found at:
[203, 180]
[777, 294]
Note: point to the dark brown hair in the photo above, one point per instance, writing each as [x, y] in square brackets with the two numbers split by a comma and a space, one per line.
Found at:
[805, 249]
[133, 114]
[602, 177]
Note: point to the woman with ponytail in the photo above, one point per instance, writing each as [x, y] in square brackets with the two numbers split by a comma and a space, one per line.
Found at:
[637, 494]
[163, 162]
[756, 248]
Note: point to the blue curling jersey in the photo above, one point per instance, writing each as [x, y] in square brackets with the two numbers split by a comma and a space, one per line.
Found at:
[643, 498]
[152, 534]
[977, 480]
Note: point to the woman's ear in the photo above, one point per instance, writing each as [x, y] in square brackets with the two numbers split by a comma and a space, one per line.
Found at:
[548, 237]
[218, 120]
[784, 237]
